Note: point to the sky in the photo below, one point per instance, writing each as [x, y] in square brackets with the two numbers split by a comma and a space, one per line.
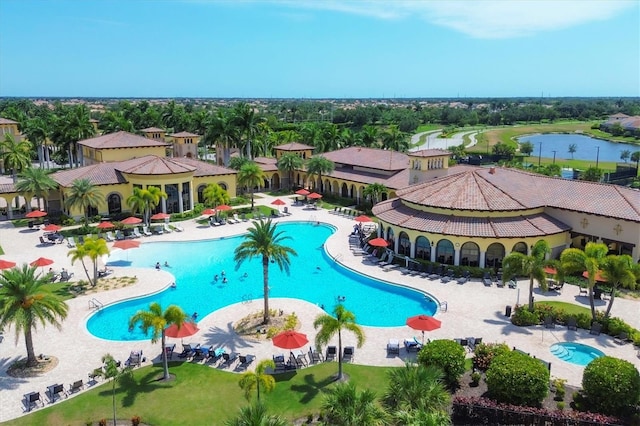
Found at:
[319, 48]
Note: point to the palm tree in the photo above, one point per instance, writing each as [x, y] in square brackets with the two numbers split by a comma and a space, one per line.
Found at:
[254, 380]
[318, 166]
[572, 149]
[370, 136]
[244, 117]
[394, 139]
[37, 131]
[76, 126]
[16, 155]
[576, 260]
[214, 195]
[256, 415]
[113, 371]
[82, 195]
[158, 320]
[263, 240]
[288, 163]
[374, 192]
[251, 176]
[619, 271]
[415, 391]
[530, 266]
[25, 300]
[145, 201]
[225, 133]
[343, 405]
[330, 325]
[93, 248]
[35, 182]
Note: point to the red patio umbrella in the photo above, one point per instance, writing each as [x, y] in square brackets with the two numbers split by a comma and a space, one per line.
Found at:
[549, 270]
[105, 225]
[423, 323]
[223, 207]
[35, 213]
[362, 218]
[314, 196]
[187, 329]
[302, 192]
[131, 220]
[378, 242]
[160, 216]
[41, 261]
[290, 339]
[599, 276]
[208, 212]
[52, 228]
[278, 202]
[126, 244]
[5, 264]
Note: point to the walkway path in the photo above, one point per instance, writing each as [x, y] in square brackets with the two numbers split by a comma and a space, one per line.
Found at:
[432, 140]
[473, 310]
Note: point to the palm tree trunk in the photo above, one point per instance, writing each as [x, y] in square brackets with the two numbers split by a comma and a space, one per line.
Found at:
[339, 355]
[28, 339]
[95, 271]
[258, 386]
[165, 361]
[531, 293]
[86, 271]
[592, 303]
[611, 297]
[265, 278]
[113, 399]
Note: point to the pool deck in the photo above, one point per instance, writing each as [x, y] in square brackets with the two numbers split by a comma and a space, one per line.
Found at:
[473, 310]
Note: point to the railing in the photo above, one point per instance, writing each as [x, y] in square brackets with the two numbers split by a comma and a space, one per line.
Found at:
[444, 306]
[95, 304]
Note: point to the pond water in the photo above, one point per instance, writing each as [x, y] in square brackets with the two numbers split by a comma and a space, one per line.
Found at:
[586, 147]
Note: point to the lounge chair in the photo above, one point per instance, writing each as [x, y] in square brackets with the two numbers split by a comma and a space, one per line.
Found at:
[596, 329]
[245, 361]
[464, 278]
[145, 231]
[187, 350]
[75, 387]
[135, 359]
[169, 350]
[32, 399]
[54, 392]
[213, 221]
[549, 322]
[104, 272]
[157, 230]
[347, 354]
[436, 273]
[583, 291]
[286, 211]
[513, 284]
[393, 347]
[572, 324]
[136, 233]
[229, 358]
[473, 342]
[278, 360]
[109, 236]
[412, 345]
[200, 353]
[416, 270]
[314, 356]
[80, 239]
[178, 228]
[71, 242]
[621, 338]
[331, 353]
[236, 218]
[166, 229]
[486, 279]
[448, 277]
[65, 276]
[45, 242]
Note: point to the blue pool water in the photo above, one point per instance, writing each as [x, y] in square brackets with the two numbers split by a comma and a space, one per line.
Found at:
[575, 353]
[313, 277]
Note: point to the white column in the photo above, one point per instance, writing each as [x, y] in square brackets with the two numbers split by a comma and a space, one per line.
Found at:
[483, 255]
[191, 195]
[180, 209]
[456, 256]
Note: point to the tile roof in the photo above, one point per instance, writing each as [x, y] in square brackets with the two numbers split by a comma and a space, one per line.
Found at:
[370, 158]
[184, 135]
[430, 153]
[152, 165]
[512, 189]
[203, 168]
[152, 130]
[393, 211]
[395, 181]
[7, 188]
[7, 121]
[121, 140]
[293, 146]
[98, 174]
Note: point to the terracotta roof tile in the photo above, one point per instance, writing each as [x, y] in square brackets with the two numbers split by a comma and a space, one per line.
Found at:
[293, 146]
[203, 168]
[152, 165]
[7, 188]
[121, 140]
[430, 153]
[184, 135]
[152, 130]
[98, 174]
[7, 121]
[369, 158]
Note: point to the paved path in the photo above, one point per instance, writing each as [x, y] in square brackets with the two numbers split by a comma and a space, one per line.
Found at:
[432, 140]
[473, 310]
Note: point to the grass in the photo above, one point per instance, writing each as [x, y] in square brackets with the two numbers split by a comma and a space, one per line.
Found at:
[200, 395]
[1, 251]
[569, 308]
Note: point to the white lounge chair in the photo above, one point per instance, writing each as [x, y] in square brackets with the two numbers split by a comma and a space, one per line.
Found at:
[231, 220]
[136, 233]
[178, 228]
[109, 236]
[145, 231]
[71, 242]
[166, 228]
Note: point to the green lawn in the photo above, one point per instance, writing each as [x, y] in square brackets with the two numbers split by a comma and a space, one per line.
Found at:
[569, 308]
[200, 395]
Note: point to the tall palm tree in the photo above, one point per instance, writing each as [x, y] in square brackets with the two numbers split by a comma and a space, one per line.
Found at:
[225, 133]
[15, 154]
[254, 380]
[35, 182]
[369, 136]
[330, 325]
[318, 166]
[343, 405]
[114, 372]
[619, 271]
[288, 163]
[76, 126]
[394, 139]
[256, 415]
[415, 391]
[82, 195]
[529, 266]
[37, 131]
[145, 201]
[93, 248]
[589, 260]
[251, 176]
[25, 301]
[244, 117]
[214, 195]
[374, 192]
[264, 241]
[157, 320]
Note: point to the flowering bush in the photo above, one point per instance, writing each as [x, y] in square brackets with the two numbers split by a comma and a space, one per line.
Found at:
[484, 353]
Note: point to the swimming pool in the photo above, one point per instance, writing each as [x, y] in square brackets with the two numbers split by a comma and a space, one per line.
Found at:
[575, 353]
[314, 277]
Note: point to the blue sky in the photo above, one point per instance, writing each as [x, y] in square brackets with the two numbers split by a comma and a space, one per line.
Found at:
[319, 49]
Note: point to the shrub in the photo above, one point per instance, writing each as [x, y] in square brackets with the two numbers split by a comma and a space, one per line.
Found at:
[516, 378]
[446, 354]
[610, 385]
[475, 379]
[484, 353]
[135, 420]
[523, 317]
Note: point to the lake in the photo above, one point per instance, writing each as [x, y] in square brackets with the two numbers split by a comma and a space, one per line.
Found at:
[586, 147]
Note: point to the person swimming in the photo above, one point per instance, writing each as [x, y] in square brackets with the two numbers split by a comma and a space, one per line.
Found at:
[194, 316]
[245, 275]
[158, 266]
[166, 264]
[216, 277]
[223, 273]
[224, 280]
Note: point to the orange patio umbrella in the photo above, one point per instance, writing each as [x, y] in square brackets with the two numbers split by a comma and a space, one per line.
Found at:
[314, 196]
[362, 218]
[35, 214]
[5, 264]
[160, 216]
[52, 228]
[423, 323]
[303, 192]
[290, 339]
[105, 225]
[599, 276]
[126, 244]
[131, 220]
[378, 242]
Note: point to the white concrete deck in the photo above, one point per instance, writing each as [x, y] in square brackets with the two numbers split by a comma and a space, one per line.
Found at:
[473, 310]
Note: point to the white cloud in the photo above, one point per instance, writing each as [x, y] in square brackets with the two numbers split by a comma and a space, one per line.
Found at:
[482, 18]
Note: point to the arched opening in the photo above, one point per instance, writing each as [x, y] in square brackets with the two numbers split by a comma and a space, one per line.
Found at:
[222, 185]
[520, 248]
[275, 180]
[172, 201]
[189, 155]
[390, 237]
[344, 190]
[445, 252]
[495, 254]
[423, 248]
[201, 193]
[92, 211]
[470, 254]
[114, 203]
[404, 244]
